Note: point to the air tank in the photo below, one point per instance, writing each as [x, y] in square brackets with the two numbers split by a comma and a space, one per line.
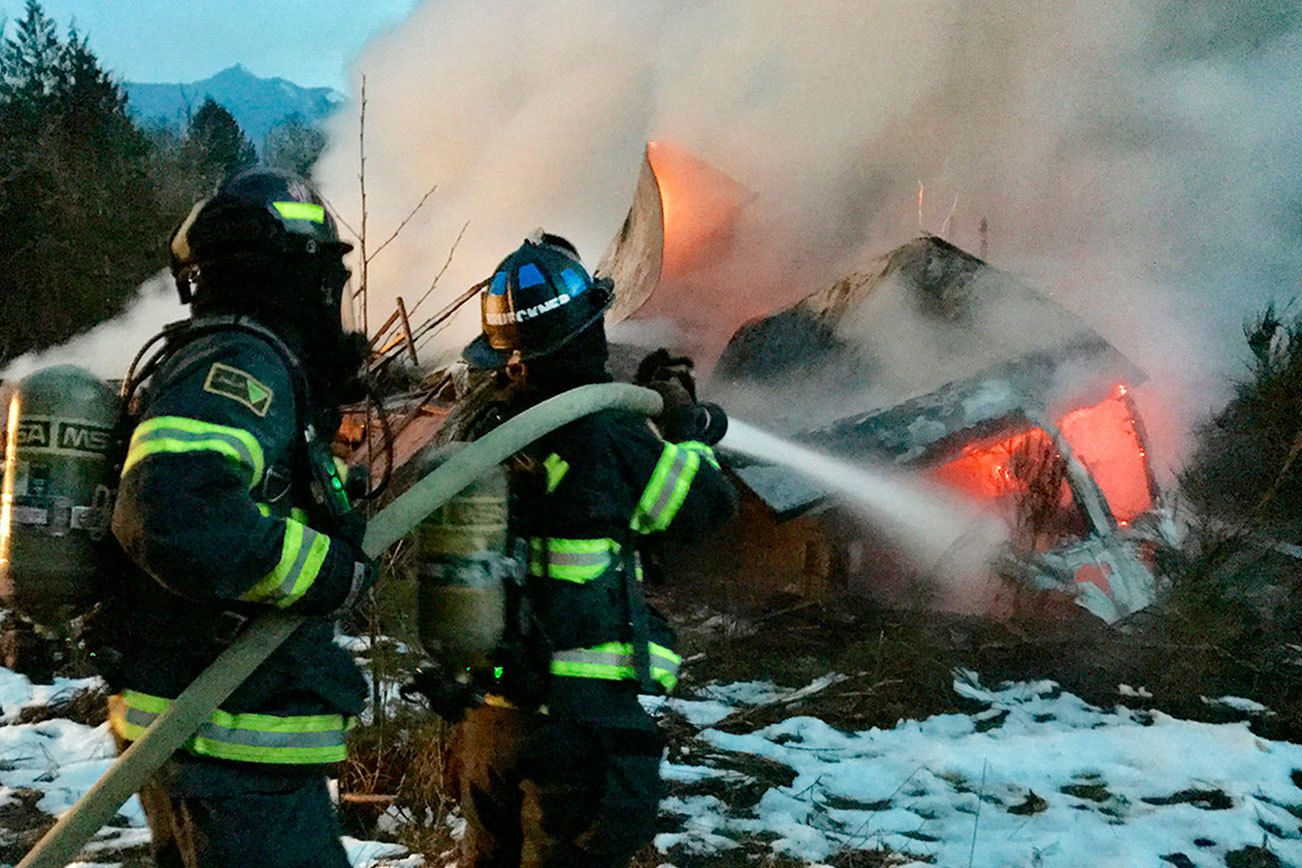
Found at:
[57, 494]
[466, 559]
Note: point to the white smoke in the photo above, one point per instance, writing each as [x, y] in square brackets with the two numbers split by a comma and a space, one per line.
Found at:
[1134, 159]
[107, 349]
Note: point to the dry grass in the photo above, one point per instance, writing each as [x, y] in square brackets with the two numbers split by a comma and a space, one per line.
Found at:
[399, 767]
[1200, 642]
[87, 707]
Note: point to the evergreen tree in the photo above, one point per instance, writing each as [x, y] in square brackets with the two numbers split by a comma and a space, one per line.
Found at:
[216, 146]
[80, 222]
[294, 145]
[31, 69]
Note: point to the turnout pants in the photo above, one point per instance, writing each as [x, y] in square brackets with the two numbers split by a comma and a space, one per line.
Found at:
[229, 815]
[539, 792]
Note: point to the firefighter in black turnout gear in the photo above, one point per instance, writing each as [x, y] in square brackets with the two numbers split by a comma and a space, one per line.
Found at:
[560, 766]
[230, 505]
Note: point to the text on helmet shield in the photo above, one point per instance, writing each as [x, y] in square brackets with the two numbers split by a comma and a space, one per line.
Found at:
[511, 317]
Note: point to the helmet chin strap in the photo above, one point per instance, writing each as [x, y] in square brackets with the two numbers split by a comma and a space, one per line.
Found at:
[516, 370]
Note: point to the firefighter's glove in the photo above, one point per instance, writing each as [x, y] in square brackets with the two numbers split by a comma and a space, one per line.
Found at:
[445, 696]
[660, 366]
[684, 419]
[677, 420]
[365, 575]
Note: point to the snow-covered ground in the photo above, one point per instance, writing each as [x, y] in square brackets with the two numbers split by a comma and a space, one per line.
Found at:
[60, 759]
[1037, 777]
[1034, 777]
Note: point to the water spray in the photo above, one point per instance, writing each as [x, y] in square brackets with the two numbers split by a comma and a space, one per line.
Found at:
[937, 530]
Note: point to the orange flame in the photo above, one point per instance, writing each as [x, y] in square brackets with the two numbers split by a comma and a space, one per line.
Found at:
[7, 492]
[1104, 437]
[700, 206]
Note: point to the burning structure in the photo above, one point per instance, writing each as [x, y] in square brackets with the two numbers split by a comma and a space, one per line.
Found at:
[927, 358]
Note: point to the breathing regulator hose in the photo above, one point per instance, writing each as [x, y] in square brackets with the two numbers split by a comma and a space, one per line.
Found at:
[197, 703]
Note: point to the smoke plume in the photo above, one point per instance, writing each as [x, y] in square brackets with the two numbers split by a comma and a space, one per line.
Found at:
[1135, 160]
[107, 349]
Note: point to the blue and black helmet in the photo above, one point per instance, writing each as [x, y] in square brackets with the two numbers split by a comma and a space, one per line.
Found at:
[538, 300]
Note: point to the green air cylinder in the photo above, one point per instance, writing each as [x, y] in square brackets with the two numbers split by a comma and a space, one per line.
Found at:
[58, 493]
[466, 559]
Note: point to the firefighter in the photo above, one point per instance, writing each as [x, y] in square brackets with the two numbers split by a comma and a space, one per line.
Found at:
[560, 766]
[229, 507]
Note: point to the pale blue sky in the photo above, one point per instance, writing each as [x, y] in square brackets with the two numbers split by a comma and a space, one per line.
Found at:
[307, 41]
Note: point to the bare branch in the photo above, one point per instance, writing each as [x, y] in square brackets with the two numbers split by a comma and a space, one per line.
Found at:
[434, 285]
[361, 179]
[403, 224]
[339, 218]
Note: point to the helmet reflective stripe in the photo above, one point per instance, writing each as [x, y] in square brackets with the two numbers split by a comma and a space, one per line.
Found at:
[499, 284]
[300, 211]
[576, 283]
[529, 275]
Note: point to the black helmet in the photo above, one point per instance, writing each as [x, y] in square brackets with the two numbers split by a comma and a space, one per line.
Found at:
[537, 301]
[255, 216]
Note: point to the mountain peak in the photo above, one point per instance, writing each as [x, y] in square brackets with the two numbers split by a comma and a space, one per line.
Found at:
[257, 103]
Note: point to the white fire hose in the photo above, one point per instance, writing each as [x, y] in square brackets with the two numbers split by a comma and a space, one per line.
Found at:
[196, 704]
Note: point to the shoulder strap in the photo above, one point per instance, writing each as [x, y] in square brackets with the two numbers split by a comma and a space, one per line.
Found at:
[326, 487]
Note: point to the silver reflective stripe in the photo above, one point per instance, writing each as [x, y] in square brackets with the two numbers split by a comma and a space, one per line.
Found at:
[258, 738]
[603, 658]
[665, 663]
[286, 588]
[578, 559]
[670, 485]
[249, 737]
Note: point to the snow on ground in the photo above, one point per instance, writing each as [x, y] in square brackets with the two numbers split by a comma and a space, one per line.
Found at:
[1037, 777]
[61, 759]
[1034, 777]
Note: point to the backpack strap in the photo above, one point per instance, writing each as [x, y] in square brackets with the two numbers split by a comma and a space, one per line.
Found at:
[313, 453]
[638, 620]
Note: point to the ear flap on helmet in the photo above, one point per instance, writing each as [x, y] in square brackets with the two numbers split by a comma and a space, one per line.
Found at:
[184, 268]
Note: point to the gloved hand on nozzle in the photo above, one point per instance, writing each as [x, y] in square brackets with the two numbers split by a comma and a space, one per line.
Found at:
[683, 417]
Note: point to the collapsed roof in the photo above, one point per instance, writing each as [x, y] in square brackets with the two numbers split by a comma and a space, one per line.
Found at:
[927, 338]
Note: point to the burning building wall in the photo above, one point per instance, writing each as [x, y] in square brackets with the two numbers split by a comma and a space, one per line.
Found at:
[963, 372]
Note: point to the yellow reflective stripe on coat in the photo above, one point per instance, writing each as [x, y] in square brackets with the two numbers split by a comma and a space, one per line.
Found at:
[613, 661]
[556, 467]
[703, 450]
[254, 738]
[665, 493]
[296, 513]
[177, 435]
[302, 552]
[572, 560]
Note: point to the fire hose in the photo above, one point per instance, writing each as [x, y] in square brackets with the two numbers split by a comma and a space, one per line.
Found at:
[198, 701]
